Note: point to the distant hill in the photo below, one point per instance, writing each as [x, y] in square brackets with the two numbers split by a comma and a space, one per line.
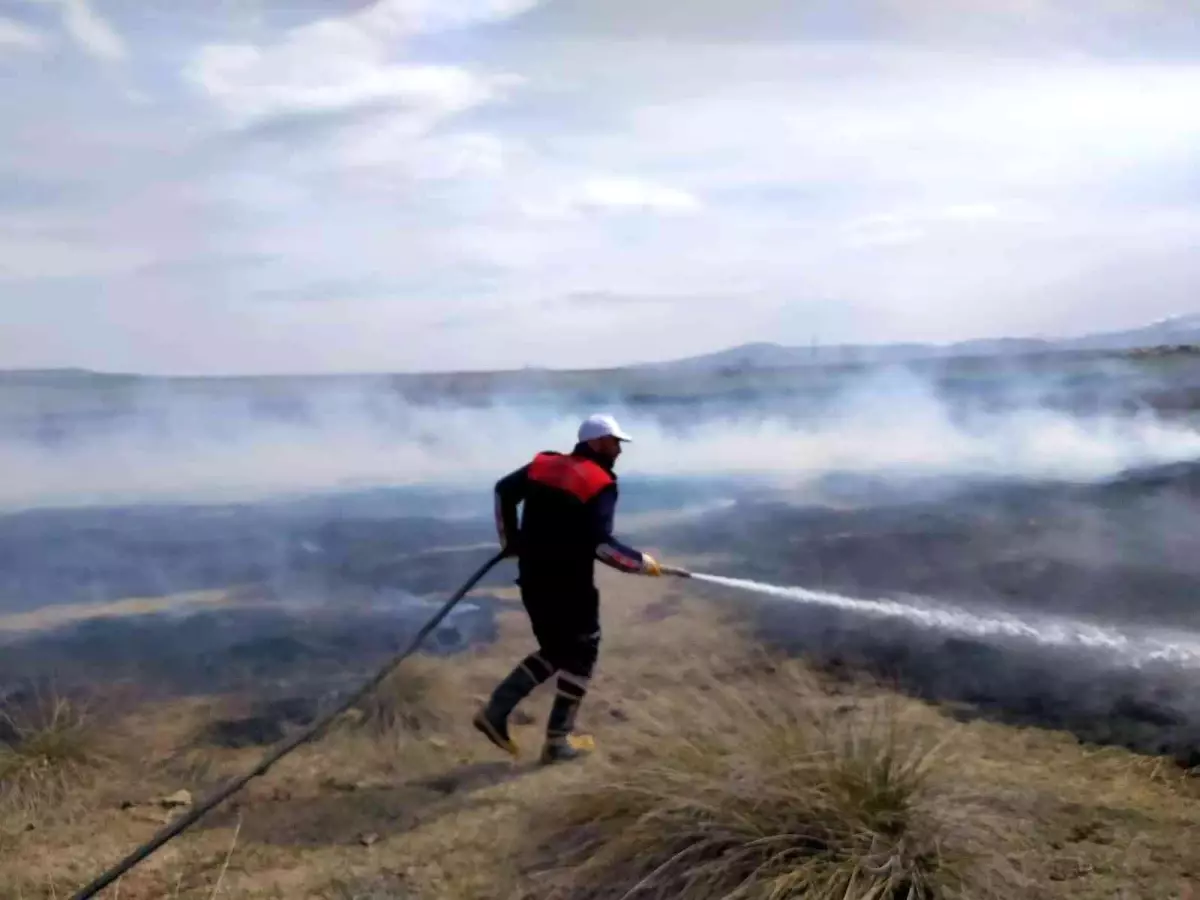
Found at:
[1172, 331]
[1169, 332]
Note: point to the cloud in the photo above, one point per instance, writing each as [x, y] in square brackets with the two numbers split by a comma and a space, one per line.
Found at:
[345, 63]
[16, 36]
[251, 84]
[91, 31]
[613, 193]
[396, 152]
[1103, 24]
[1055, 26]
[38, 258]
[907, 226]
[606, 194]
[951, 127]
[410, 17]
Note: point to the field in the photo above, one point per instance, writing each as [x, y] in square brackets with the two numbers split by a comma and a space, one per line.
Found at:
[1021, 720]
[405, 801]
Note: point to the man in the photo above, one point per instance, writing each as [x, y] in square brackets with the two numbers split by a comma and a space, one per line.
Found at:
[566, 524]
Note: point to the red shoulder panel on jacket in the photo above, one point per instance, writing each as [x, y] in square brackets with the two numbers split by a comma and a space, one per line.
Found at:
[581, 478]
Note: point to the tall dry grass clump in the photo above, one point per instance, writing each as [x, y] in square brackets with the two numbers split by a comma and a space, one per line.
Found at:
[767, 788]
[47, 743]
[416, 699]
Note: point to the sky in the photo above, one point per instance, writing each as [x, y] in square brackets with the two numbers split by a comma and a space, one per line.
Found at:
[255, 186]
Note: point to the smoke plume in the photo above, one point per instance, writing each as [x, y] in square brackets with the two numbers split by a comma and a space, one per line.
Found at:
[254, 441]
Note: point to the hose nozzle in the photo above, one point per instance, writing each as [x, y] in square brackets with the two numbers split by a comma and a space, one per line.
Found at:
[676, 571]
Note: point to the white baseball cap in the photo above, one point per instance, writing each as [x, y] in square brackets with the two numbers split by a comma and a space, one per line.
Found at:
[601, 425]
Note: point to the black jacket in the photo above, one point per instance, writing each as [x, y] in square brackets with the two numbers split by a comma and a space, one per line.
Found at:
[567, 521]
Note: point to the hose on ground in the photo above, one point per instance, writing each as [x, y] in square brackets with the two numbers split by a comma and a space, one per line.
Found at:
[208, 804]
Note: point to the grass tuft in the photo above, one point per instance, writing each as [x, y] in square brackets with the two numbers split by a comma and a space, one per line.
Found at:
[412, 700]
[767, 790]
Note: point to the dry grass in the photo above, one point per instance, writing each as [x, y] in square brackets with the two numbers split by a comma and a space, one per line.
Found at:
[51, 743]
[720, 773]
[69, 613]
[763, 789]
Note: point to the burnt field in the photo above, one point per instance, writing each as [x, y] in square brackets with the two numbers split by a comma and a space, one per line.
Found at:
[289, 601]
[1103, 562]
[319, 596]
[996, 493]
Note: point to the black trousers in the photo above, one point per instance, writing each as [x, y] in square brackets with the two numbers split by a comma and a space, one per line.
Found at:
[565, 618]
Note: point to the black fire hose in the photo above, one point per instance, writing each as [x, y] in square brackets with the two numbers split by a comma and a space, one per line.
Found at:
[197, 812]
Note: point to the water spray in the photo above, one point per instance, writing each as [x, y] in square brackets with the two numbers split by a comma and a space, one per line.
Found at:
[1181, 648]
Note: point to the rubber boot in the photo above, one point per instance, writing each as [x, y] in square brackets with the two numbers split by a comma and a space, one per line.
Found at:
[565, 748]
[492, 720]
[562, 743]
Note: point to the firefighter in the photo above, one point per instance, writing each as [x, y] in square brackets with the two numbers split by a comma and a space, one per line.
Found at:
[566, 524]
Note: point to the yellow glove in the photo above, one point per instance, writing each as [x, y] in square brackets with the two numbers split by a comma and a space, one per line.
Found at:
[650, 565]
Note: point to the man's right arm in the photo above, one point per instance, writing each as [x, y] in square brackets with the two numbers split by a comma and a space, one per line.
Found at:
[509, 492]
[611, 551]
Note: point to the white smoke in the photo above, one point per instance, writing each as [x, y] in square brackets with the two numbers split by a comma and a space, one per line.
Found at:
[175, 446]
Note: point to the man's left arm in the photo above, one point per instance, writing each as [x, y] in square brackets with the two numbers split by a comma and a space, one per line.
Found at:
[611, 551]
